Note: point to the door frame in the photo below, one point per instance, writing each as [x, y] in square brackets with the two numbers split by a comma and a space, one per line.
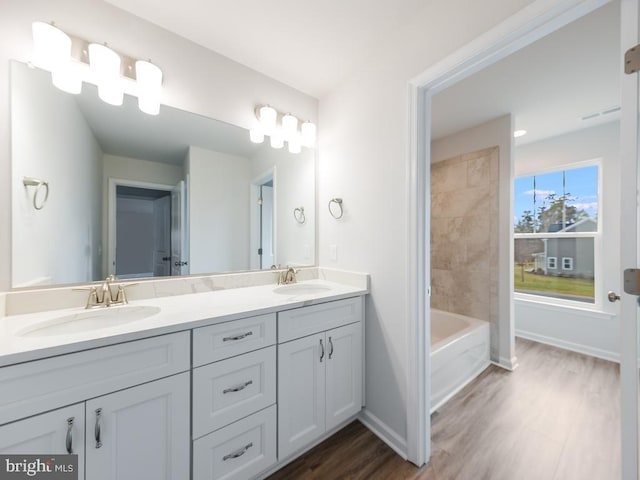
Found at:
[528, 25]
[111, 213]
[254, 215]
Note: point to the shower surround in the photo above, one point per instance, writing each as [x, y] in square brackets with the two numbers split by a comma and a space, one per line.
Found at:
[464, 236]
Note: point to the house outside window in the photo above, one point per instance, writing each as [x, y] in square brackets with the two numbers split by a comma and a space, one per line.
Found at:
[556, 218]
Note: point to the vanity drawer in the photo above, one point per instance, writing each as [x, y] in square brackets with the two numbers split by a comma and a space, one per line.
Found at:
[239, 451]
[304, 321]
[226, 391]
[229, 339]
[41, 385]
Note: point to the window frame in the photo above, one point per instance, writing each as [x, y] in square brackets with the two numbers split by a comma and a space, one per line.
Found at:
[553, 260]
[598, 296]
[570, 267]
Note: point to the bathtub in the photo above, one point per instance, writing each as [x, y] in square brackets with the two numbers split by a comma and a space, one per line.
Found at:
[459, 353]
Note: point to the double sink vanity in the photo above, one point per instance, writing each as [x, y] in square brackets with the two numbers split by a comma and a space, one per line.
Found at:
[231, 383]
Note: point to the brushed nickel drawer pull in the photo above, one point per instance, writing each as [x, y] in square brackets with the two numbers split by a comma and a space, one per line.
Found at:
[69, 442]
[331, 348]
[321, 351]
[96, 430]
[237, 453]
[237, 388]
[237, 337]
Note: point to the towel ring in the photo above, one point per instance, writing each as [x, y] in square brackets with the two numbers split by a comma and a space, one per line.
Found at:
[34, 182]
[298, 214]
[334, 210]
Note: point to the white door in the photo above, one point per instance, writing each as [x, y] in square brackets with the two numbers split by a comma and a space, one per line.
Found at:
[629, 246]
[58, 432]
[266, 227]
[141, 432]
[162, 237]
[301, 392]
[344, 374]
[179, 253]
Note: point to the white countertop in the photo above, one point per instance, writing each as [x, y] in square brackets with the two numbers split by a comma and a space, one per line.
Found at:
[177, 313]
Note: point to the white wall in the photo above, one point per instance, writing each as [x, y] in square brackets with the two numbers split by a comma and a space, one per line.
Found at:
[218, 227]
[592, 332]
[59, 243]
[364, 159]
[195, 79]
[489, 134]
[294, 187]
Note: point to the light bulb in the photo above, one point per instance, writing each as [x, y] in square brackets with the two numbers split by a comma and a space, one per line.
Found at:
[268, 116]
[51, 46]
[149, 85]
[289, 125]
[256, 135]
[105, 66]
[277, 139]
[308, 132]
[294, 144]
[68, 78]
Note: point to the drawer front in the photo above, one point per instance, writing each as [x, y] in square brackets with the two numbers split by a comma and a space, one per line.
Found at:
[229, 339]
[226, 391]
[304, 321]
[42, 385]
[238, 451]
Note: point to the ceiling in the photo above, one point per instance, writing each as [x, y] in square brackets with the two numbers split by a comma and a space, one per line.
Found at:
[310, 45]
[548, 86]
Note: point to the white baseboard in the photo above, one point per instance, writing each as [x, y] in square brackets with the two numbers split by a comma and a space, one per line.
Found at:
[574, 347]
[384, 433]
[507, 363]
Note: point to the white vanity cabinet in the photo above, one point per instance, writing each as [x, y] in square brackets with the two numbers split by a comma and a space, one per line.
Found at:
[129, 403]
[234, 397]
[319, 374]
[60, 431]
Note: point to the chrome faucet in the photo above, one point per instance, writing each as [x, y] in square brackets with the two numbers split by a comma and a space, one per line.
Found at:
[103, 297]
[285, 275]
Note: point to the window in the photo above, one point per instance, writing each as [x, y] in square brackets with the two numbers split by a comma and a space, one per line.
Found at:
[567, 263]
[556, 218]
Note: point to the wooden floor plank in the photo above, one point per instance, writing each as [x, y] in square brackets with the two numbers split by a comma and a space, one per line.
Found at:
[557, 417]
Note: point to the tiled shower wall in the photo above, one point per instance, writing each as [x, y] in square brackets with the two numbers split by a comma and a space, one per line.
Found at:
[464, 235]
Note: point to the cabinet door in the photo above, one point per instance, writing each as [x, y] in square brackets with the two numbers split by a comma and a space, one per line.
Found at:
[344, 373]
[141, 432]
[301, 392]
[58, 432]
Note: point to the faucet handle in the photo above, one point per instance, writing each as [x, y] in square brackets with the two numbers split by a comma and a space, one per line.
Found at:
[121, 295]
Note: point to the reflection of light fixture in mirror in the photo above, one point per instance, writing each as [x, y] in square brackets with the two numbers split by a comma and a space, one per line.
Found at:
[277, 139]
[149, 84]
[267, 117]
[289, 125]
[105, 64]
[52, 52]
[308, 132]
[256, 135]
[294, 144]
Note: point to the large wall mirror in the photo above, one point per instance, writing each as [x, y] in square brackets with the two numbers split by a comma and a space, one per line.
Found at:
[146, 196]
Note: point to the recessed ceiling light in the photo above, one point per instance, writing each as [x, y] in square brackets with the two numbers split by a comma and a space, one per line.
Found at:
[519, 133]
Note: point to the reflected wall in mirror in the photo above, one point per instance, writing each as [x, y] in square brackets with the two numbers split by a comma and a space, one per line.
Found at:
[145, 196]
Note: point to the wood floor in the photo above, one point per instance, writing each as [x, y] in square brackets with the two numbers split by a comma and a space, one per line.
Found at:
[555, 418]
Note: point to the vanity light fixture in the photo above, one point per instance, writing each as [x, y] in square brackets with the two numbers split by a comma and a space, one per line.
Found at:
[52, 52]
[149, 83]
[72, 61]
[105, 66]
[285, 130]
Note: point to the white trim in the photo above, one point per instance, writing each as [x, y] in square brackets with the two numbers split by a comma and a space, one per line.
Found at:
[509, 364]
[470, 378]
[384, 433]
[574, 347]
[557, 305]
[521, 29]
[567, 263]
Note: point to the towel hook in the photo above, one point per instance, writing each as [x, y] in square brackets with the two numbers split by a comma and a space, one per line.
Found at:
[336, 212]
[35, 182]
[298, 214]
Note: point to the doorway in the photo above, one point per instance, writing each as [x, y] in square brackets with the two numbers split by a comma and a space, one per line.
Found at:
[518, 32]
[262, 232]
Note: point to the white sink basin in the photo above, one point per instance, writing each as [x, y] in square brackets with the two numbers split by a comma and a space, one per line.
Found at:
[301, 289]
[89, 320]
